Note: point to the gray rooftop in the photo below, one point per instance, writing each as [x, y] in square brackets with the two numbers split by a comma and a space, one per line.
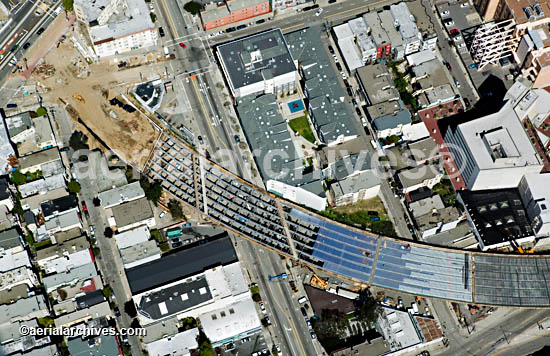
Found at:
[267, 134]
[350, 164]
[327, 98]
[407, 27]
[38, 158]
[10, 238]
[132, 212]
[355, 183]
[19, 123]
[121, 194]
[377, 82]
[390, 121]
[14, 293]
[22, 309]
[417, 175]
[6, 148]
[42, 185]
[175, 299]
[426, 205]
[59, 249]
[99, 345]
[424, 149]
[76, 274]
[251, 59]
[139, 251]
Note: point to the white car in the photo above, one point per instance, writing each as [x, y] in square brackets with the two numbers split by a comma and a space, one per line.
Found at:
[461, 45]
[445, 13]
[457, 38]
[262, 308]
[344, 76]
[319, 12]
[163, 214]
[449, 23]
[464, 4]
[151, 7]
[457, 83]
[12, 62]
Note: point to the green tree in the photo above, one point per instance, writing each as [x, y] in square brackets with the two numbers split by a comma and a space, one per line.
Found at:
[366, 307]
[175, 209]
[76, 141]
[108, 232]
[74, 186]
[40, 111]
[155, 234]
[68, 5]
[193, 7]
[18, 178]
[205, 346]
[153, 191]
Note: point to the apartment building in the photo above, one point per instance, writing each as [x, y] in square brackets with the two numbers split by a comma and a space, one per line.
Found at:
[220, 14]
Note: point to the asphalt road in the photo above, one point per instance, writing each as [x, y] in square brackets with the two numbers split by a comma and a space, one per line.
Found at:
[484, 341]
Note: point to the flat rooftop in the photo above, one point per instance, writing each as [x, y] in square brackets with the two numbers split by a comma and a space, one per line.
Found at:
[255, 58]
[377, 83]
[181, 264]
[132, 212]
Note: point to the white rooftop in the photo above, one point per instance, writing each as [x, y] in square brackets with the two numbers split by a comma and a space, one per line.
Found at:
[9, 260]
[226, 281]
[42, 186]
[235, 319]
[297, 195]
[405, 20]
[397, 329]
[132, 237]
[119, 195]
[6, 149]
[68, 262]
[179, 344]
[499, 140]
[415, 132]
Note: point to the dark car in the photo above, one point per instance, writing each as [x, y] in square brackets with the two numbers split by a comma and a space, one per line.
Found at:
[64, 149]
[230, 29]
[358, 111]
[338, 66]
[241, 27]
[117, 313]
[200, 140]
[26, 45]
[331, 1]
[259, 22]
[84, 207]
[467, 102]
[331, 50]
[448, 65]
[177, 244]
[354, 102]
[11, 106]
[40, 31]
[303, 310]
[161, 32]
[237, 138]
[350, 93]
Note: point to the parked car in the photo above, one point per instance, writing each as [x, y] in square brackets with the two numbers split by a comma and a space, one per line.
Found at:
[358, 111]
[241, 27]
[308, 323]
[259, 22]
[454, 32]
[312, 333]
[319, 12]
[237, 139]
[11, 106]
[449, 22]
[303, 310]
[445, 13]
[163, 214]
[338, 66]
[457, 38]
[461, 45]
[448, 65]
[267, 321]
[331, 50]
[457, 83]
[182, 45]
[200, 140]
[467, 102]
[177, 243]
[262, 307]
[161, 32]
[472, 66]
[464, 4]
[40, 31]
[26, 45]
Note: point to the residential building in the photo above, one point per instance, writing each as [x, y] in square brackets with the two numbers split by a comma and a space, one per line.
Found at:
[426, 206]
[119, 195]
[376, 84]
[385, 34]
[44, 137]
[359, 186]
[18, 276]
[258, 64]
[496, 217]
[430, 80]
[117, 26]
[132, 214]
[14, 259]
[23, 310]
[405, 22]
[180, 344]
[98, 345]
[64, 222]
[456, 234]
[6, 148]
[84, 315]
[33, 202]
[70, 277]
[43, 185]
[494, 151]
[355, 42]
[417, 177]
[36, 161]
[424, 150]
[325, 97]
[5, 194]
[10, 239]
[20, 127]
[90, 299]
[227, 12]
[59, 206]
[67, 262]
[389, 118]
[61, 249]
[339, 168]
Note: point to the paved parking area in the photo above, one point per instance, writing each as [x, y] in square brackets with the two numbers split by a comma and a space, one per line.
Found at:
[248, 346]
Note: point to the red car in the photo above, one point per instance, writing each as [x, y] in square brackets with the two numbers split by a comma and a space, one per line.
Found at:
[182, 45]
[454, 32]
[84, 207]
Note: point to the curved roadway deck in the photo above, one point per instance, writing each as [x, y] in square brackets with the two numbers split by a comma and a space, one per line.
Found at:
[425, 270]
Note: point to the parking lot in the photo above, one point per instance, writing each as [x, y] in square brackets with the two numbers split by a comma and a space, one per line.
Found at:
[251, 345]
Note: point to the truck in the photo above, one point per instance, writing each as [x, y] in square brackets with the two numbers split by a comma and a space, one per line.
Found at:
[173, 233]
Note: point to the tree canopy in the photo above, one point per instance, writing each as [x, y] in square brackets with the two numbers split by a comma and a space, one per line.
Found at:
[193, 7]
[68, 5]
[74, 186]
[153, 190]
[175, 209]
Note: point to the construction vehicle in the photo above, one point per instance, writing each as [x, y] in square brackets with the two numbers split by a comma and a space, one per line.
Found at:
[519, 249]
[316, 281]
[79, 97]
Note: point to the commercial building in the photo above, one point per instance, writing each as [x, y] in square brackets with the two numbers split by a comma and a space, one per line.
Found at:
[132, 237]
[140, 253]
[359, 186]
[494, 152]
[117, 26]
[227, 12]
[534, 190]
[132, 214]
[258, 64]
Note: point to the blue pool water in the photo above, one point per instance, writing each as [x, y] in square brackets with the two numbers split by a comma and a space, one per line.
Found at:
[295, 106]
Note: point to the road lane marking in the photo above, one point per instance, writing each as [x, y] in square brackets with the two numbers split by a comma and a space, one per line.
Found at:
[291, 27]
[355, 8]
[169, 16]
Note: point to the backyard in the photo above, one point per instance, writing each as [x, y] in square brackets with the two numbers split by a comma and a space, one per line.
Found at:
[300, 125]
[360, 213]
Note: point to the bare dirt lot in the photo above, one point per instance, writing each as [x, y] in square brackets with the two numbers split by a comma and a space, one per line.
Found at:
[65, 77]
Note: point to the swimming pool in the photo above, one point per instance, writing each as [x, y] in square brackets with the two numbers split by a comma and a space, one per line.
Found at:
[295, 106]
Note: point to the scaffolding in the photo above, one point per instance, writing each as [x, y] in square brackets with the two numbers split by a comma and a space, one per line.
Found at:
[493, 41]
